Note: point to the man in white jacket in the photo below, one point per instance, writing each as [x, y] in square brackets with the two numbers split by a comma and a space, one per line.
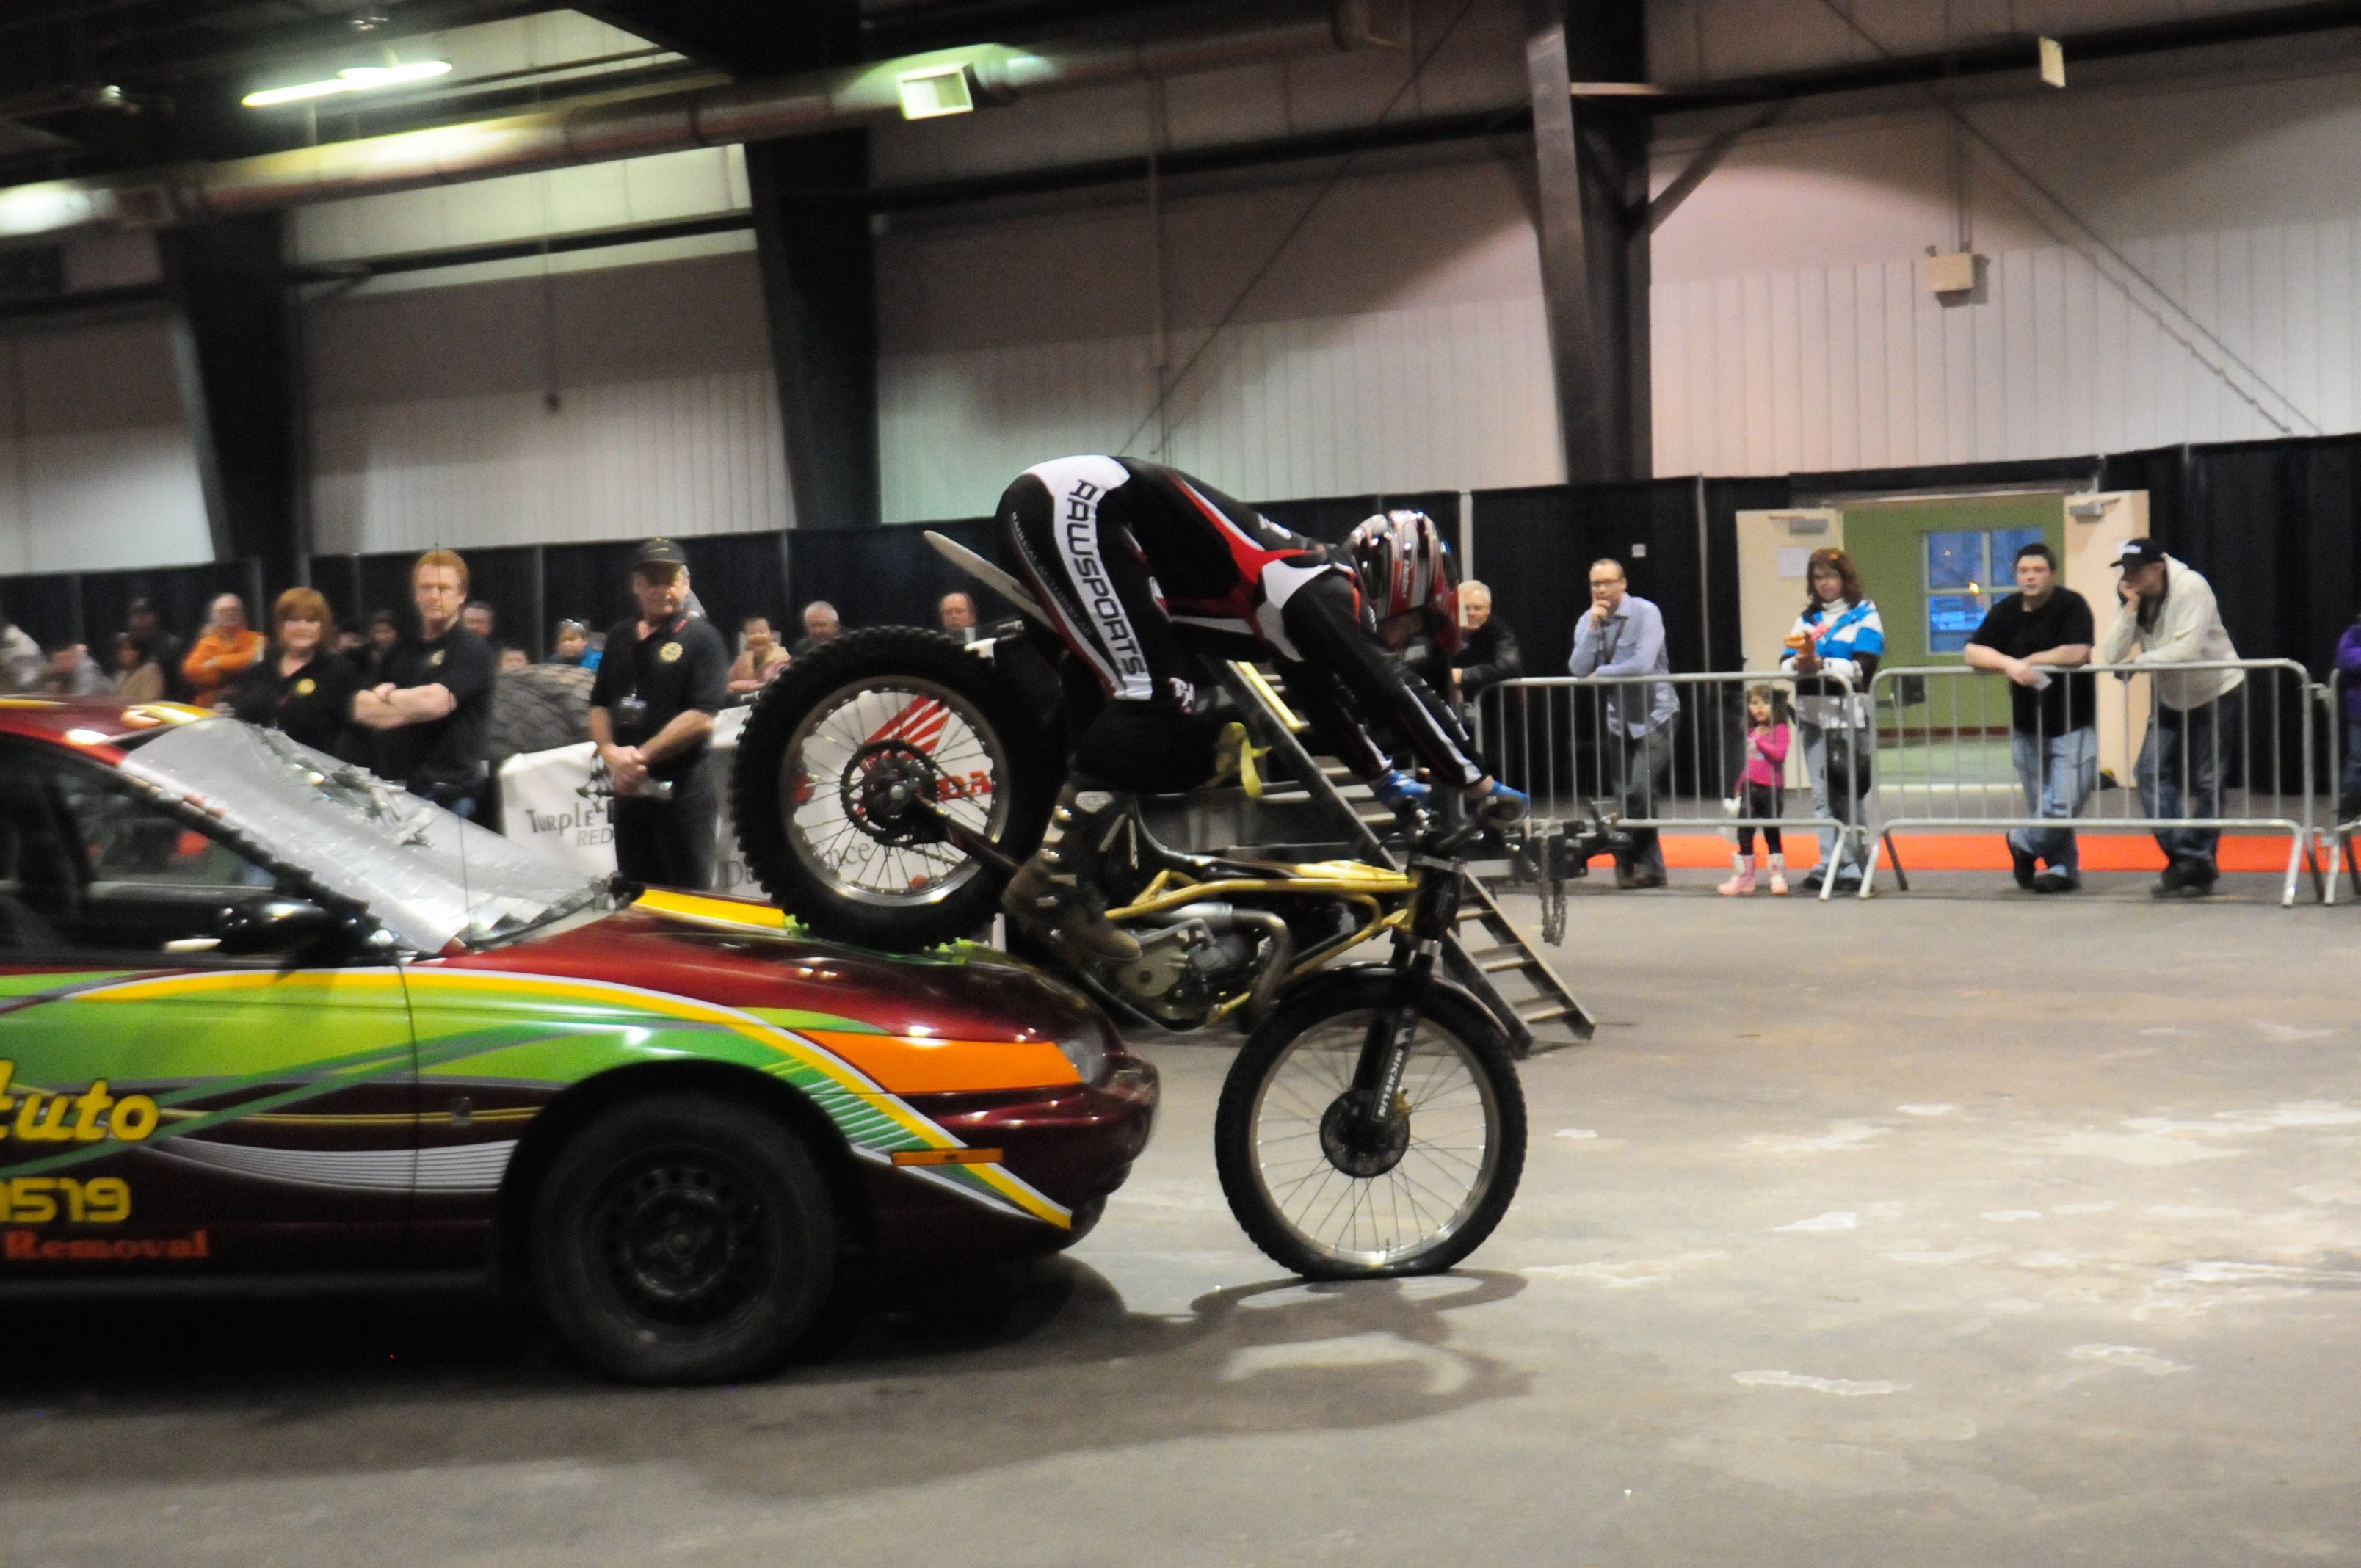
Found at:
[2168, 615]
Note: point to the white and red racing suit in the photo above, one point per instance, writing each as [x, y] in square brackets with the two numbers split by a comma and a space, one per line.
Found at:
[1141, 566]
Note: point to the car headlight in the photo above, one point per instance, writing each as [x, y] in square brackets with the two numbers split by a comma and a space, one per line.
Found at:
[1085, 1051]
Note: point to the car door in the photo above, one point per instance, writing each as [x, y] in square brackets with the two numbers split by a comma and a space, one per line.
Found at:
[163, 1107]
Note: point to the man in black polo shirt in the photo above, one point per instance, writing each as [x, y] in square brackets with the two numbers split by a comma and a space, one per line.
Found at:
[429, 711]
[2033, 637]
[664, 676]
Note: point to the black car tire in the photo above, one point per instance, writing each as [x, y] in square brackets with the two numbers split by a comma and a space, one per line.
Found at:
[764, 815]
[684, 1239]
[538, 709]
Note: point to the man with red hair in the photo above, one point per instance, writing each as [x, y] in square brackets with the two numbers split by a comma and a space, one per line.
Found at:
[430, 712]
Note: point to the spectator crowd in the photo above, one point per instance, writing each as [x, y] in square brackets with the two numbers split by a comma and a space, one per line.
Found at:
[410, 691]
[2043, 638]
[353, 690]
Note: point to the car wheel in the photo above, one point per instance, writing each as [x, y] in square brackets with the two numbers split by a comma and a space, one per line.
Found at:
[684, 1239]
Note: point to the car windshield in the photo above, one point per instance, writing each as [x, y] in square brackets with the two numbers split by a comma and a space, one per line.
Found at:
[425, 874]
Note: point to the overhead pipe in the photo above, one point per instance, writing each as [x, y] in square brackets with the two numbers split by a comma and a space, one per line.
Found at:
[601, 128]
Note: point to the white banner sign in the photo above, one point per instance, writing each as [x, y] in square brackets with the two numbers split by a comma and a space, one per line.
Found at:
[542, 802]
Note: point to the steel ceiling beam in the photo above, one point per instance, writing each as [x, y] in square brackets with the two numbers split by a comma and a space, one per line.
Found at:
[600, 128]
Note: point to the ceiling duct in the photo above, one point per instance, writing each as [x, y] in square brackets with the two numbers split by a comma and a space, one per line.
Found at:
[596, 129]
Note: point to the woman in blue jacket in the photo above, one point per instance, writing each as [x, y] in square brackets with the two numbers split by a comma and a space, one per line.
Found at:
[1838, 633]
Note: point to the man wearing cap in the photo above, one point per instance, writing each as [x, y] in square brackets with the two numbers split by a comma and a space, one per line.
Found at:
[2168, 615]
[664, 675]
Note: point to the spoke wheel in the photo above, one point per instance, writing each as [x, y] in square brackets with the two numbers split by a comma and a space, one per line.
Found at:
[858, 772]
[1334, 1188]
[843, 765]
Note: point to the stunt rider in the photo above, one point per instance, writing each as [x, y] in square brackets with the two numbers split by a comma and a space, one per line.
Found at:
[1140, 565]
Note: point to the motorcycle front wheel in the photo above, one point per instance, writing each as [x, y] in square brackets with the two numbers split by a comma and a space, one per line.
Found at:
[1307, 1178]
[842, 765]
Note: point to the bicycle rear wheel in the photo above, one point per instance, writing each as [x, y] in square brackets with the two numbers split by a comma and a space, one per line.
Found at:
[844, 758]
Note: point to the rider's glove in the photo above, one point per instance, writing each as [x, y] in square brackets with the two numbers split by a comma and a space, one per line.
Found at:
[1398, 789]
[1502, 805]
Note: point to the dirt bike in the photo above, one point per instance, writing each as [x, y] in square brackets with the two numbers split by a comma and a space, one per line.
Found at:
[890, 781]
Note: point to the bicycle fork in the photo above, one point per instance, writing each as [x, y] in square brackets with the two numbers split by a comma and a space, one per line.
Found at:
[1385, 1050]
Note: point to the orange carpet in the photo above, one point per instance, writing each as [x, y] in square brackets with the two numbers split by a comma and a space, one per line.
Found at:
[1983, 852]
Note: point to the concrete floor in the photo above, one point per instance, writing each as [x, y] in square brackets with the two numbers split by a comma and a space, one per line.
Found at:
[1955, 1228]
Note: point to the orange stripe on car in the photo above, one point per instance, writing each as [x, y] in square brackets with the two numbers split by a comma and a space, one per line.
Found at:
[913, 1064]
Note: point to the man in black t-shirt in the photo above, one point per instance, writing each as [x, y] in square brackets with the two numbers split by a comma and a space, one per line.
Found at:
[2033, 637]
[428, 712]
[664, 675]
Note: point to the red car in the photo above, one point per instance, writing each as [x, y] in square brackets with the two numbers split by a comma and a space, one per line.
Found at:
[263, 1016]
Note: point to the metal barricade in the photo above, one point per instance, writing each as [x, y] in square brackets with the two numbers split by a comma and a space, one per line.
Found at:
[2343, 820]
[2185, 752]
[1568, 741]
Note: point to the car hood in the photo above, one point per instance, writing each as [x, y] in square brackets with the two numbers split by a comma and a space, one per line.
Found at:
[740, 954]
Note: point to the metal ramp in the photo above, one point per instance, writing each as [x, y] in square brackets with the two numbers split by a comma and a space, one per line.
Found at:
[1536, 1008]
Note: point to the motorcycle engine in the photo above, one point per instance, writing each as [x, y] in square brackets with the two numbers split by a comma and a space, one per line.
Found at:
[1184, 972]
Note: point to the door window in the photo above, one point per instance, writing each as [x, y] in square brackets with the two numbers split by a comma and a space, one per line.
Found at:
[1967, 570]
[87, 863]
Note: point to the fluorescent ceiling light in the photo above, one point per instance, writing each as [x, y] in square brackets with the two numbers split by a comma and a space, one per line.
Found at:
[352, 79]
[936, 91]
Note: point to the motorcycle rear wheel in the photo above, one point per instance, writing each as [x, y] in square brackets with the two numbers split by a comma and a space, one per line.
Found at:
[1440, 1194]
[826, 747]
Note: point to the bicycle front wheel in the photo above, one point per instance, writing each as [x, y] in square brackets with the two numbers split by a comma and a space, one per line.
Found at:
[1331, 1195]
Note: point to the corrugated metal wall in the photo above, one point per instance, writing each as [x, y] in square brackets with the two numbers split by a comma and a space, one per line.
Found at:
[1860, 366]
[2194, 279]
[1438, 397]
[1398, 343]
[96, 468]
[431, 421]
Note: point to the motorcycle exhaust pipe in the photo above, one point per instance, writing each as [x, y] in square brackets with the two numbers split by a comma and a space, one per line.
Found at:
[1229, 918]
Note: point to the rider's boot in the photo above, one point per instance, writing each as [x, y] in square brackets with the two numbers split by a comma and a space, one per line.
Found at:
[1052, 895]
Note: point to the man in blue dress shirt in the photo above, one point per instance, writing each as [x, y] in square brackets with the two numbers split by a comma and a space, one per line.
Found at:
[1623, 634]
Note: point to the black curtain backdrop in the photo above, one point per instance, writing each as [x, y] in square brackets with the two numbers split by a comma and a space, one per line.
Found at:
[2275, 526]
[592, 583]
[503, 578]
[2066, 473]
[1533, 549]
[92, 606]
[45, 608]
[338, 578]
[1724, 500]
[183, 596]
[891, 575]
[2272, 525]
[736, 575]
